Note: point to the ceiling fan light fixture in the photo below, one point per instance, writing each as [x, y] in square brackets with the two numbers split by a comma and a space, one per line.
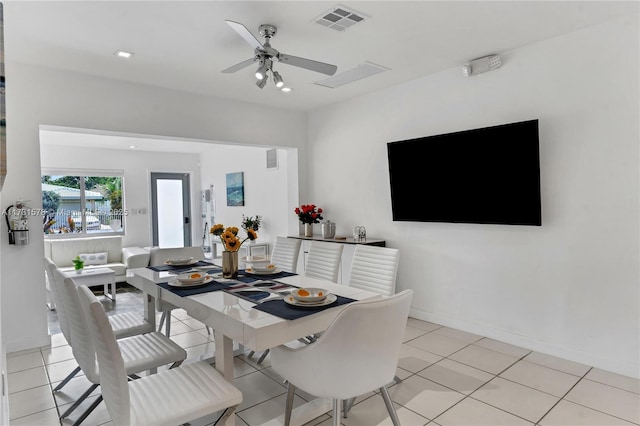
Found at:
[261, 72]
[262, 83]
[278, 79]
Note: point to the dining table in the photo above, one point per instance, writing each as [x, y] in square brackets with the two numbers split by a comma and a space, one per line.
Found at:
[232, 308]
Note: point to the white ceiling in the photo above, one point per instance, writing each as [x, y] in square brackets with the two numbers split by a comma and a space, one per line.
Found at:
[185, 45]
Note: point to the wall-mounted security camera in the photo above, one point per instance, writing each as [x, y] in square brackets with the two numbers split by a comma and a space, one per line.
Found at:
[480, 65]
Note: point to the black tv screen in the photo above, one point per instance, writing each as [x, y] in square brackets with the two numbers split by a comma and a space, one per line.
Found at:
[489, 175]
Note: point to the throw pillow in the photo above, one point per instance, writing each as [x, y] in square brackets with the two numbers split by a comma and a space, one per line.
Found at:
[94, 258]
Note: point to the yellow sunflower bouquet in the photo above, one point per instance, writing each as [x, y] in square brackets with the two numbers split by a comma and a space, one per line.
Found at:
[229, 236]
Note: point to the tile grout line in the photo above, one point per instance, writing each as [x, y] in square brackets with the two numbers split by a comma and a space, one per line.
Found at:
[563, 396]
[471, 393]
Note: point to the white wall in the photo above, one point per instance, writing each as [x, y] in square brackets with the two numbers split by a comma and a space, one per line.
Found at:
[267, 191]
[42, 96]
[569, 288]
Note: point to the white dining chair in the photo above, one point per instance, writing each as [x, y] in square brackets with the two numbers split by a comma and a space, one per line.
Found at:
[323, 261]
[285, 256]
[140, 353]
[358, 353]
[374, 268]
[171, 397]
[124, 324]
[285, 253]
[52, 276]
[157, 257]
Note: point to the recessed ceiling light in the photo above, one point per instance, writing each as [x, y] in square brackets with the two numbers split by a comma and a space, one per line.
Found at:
[286, 89]
[123, 54]
[132, 147]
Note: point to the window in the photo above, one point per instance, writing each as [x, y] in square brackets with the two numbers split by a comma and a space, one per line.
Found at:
[82, 204]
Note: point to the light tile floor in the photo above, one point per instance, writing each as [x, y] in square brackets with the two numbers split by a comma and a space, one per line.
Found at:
[449, 377]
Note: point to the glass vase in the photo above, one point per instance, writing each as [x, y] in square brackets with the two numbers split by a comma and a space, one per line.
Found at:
[230, 264]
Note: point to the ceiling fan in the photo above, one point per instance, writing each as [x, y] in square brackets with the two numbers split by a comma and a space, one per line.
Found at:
[266, 55]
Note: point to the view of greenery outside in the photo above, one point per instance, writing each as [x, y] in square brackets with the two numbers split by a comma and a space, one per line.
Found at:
[70, 209]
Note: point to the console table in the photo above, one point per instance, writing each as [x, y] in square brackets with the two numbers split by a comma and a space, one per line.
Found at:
[96, 276]
[347, 252]
[348, 240]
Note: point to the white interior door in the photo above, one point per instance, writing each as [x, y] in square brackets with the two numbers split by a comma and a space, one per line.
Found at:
[171, 211]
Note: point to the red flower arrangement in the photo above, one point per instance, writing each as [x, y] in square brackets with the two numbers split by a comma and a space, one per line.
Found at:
[309, 213]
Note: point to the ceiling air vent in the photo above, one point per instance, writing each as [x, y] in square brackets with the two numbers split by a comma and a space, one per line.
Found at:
[358, 73]
[340, 18]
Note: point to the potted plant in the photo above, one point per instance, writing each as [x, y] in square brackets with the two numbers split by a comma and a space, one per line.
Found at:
[78, 264]
[249, 222]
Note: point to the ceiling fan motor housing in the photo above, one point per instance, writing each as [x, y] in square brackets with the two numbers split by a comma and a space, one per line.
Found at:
[268, 30]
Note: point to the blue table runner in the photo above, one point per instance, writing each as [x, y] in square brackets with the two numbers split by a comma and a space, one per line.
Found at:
[176, 268]
[282, 309]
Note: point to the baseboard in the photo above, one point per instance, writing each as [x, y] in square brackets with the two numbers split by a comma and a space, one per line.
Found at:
[615, 366]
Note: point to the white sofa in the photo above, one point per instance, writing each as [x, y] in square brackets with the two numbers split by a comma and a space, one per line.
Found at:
[63, 251]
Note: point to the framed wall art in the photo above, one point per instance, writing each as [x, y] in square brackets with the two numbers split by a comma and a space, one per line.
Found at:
[3, 123]
[235, 189]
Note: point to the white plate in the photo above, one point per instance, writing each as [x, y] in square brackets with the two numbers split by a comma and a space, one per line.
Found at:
[274, 271]
[176, 283]
[327, 301]
[186, 263]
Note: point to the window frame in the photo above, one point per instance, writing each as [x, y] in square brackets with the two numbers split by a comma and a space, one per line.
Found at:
[82, 174]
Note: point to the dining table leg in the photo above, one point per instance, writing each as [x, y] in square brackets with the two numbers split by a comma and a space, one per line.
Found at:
[224, 363]
[224, 355]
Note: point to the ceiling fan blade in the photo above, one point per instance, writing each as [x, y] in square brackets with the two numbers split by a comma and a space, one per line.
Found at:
[245, 34]
[238, 67]
[320, 67]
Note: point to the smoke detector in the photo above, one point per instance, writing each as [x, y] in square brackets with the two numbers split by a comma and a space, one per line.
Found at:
[480, 65]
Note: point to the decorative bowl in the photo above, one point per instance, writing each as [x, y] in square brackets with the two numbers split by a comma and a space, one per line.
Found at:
[264, 268]
[191, 277]
[310, 295]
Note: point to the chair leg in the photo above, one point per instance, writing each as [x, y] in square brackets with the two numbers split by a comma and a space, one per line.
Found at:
[66, 379]
[208, 330]
[225, 415]
[390, 408]
[251, 353]
[167, 326]
[162, 319]
[79, 401]
[346, 406]
[263, 356]
[336, 412]
[88, 411]
[289, 406]
[397, 379]
[175, 364]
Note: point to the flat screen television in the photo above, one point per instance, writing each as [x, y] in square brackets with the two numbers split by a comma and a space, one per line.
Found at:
[489, 175]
